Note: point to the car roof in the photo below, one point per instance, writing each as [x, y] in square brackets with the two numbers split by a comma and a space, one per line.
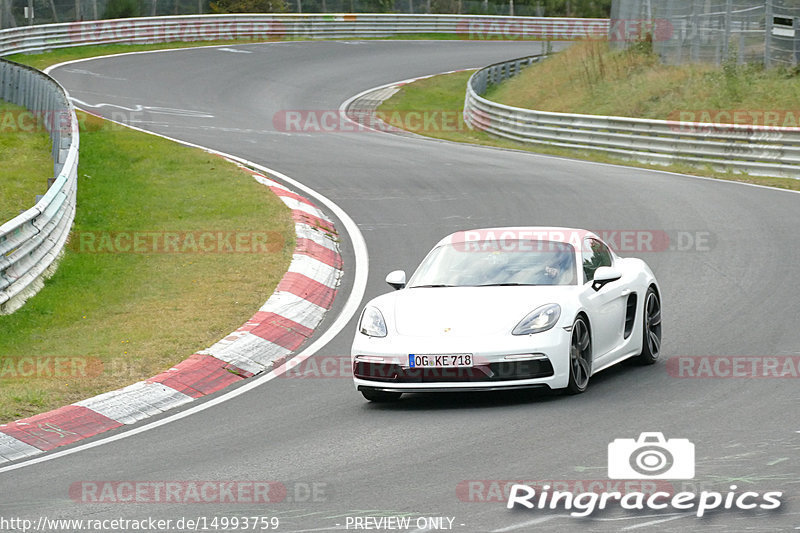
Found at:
[572, 236]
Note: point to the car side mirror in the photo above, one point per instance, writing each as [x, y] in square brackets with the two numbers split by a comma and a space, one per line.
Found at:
[396, 279]
[605, 275]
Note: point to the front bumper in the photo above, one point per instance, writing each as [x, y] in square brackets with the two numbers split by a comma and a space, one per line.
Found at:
[383, 363]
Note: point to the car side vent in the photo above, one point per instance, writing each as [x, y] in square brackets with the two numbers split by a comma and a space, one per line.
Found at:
[630, 314]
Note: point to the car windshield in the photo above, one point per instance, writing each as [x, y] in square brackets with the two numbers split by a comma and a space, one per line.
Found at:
[497, 262]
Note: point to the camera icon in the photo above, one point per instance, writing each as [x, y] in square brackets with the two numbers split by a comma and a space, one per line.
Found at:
[651, 457]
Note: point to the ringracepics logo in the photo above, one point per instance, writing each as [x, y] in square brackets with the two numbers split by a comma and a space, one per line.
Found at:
[651, 456]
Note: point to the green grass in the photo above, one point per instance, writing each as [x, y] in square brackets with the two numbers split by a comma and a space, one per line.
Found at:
[121, 317]
[446, 93]
[590, 78]
[27, 164]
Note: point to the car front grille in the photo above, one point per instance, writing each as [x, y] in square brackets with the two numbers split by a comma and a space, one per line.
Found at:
[505, 371]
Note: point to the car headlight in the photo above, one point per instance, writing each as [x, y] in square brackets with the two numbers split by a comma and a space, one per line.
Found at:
[540, 319]
[372, 323]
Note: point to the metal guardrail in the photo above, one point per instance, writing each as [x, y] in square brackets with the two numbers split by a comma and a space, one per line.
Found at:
[279, 26]
[31, 242]
[756, 150]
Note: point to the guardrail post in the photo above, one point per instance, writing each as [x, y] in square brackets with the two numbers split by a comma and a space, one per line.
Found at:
[725, 41]
[768, 26]
[696, 31]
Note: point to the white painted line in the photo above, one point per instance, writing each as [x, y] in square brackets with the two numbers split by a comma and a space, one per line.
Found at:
[653, 522]
[155, 110]
[49, 69]
[350, 308]
[93, 74]
[634, 517]
[540, 520]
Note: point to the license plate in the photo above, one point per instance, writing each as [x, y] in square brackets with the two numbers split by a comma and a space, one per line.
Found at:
[456, 360]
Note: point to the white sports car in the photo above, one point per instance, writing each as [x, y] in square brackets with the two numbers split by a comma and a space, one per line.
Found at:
[508, 308]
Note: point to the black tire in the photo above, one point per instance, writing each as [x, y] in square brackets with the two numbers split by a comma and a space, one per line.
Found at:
[379, 396]
[651, 329]
[580, 357]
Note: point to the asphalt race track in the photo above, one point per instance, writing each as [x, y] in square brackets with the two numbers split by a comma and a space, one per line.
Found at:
[733, 294]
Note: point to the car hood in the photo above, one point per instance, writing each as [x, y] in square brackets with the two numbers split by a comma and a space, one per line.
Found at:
[466, 311]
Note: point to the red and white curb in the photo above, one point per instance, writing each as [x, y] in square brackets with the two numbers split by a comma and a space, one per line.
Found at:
[380, 94]
[289, 317]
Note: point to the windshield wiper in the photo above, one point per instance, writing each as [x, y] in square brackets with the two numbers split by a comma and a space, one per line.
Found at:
[434, 286]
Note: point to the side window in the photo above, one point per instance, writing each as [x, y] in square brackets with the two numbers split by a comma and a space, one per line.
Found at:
[595, 255]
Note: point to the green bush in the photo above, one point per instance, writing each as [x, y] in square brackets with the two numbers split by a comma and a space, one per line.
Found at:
[120, 9]
[249, 6]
